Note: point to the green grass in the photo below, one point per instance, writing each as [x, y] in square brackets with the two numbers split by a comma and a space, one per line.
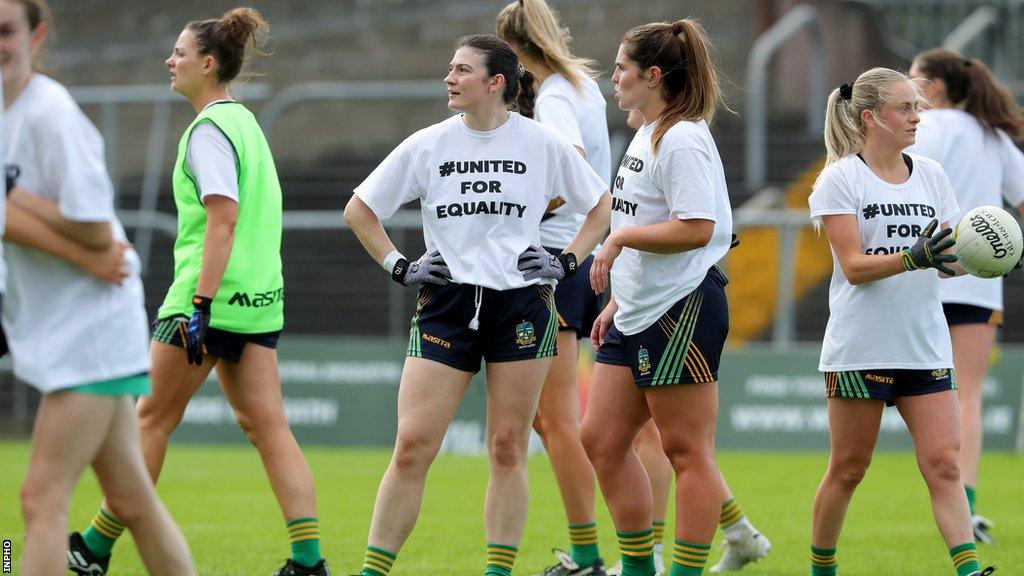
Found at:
[223, 502]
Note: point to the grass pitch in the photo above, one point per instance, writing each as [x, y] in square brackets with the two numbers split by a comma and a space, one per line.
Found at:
[222, 500]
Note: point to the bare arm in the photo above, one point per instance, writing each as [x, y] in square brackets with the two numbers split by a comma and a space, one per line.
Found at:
[366, 226]
[594, 227]
[95, 235]
[221, 217]
[669, 237]
[28, 230]
[859, 268]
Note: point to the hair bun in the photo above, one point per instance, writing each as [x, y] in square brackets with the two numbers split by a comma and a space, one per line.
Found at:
[677, 28]
[241, 24]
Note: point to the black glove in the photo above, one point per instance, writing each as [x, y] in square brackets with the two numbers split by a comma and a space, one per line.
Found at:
[429, 269]
[196, 331]
[927, 252]
[11, 172]
[536, 262]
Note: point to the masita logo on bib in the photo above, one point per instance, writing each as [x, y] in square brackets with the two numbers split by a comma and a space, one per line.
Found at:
[988, 242]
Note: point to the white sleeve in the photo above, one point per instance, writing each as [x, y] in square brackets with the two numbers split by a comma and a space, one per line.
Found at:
[557, 112]
[212, 160]
[949, 209]
[1013, 171]
[686, 177]
[832, 194]
[72, 163]
[394, 182]
[576, 181]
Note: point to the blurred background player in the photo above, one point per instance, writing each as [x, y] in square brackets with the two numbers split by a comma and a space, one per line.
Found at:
[228, 250]
[874, 353]
[743, 542]
[661, 336]
[87, 361]
[570, 101]
[967, 128]
[474, 302]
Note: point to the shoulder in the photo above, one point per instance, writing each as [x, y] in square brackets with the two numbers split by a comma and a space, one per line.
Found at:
[556, 86]
[427, 137]
[842, 172]
[927, 166]
[44, 95]
[686, 134]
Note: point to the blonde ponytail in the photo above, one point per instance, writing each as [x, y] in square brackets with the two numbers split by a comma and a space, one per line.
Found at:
[533, 27]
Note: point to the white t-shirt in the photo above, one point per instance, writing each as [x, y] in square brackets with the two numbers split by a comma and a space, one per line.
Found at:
[64, 327]
[212, 160]
[580, 117]
[3, 205]
[685, 180]
[482, 194]
[985, 168]
[895, 322]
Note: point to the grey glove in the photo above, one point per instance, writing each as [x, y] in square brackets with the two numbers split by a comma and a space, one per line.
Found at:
[535, 262]
[429, 269]
[927, 252]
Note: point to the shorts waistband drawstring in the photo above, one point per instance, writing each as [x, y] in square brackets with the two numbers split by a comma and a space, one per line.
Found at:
[478, 299]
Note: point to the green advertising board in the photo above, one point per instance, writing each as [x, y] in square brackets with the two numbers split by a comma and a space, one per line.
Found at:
[344, 391]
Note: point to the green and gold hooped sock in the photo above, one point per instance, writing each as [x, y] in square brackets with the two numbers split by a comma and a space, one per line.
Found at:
[102, 533]
[688, 559]
[583, 543]
[659, 531]
[500, 559]
[637, 549]
[377, 562]
[965, 558]
[823, 561]
[304, 535]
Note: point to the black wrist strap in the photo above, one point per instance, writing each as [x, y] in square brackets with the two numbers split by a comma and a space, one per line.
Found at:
[398, 272]
[568, 260]
[201, 303]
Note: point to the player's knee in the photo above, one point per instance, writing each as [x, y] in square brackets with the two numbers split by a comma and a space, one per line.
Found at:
[849, 471]
[941, 467]
[157, 418]
[602, 448]
[42, 501]
[506, 446]
[689, 454]
[413, 453]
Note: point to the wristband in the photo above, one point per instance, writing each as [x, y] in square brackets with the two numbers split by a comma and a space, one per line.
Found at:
[391, 259]
[568, 260]
[399, 270]
[201, 303]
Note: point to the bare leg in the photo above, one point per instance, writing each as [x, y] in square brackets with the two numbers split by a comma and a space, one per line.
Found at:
[933, 425]
[659, 469]
[558, 423]
[69, 430]
[971, 346]
[126, 483]
[428, 397]
[513, 391]
[253, 386]
[685, 415]
[615, 413]
[853, 429]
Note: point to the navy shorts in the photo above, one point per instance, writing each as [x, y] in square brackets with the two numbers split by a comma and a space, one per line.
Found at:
[218, 343]
[971, 314]
[683, 347]
[518, 324]
[575, 301]
[887, 385]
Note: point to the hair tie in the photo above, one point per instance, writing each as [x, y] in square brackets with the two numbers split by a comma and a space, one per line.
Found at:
[521, 70]
[967, 62]
[846, 92]
[677, 28]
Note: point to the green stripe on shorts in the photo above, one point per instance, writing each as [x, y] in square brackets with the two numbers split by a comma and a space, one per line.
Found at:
[137, 385]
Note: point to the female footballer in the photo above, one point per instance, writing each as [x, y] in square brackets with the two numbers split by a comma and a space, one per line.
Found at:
[886, 342]
[87, 360]
[661, 335]
[570, 101]
[224, 310]
[967, 128]
[485, 285]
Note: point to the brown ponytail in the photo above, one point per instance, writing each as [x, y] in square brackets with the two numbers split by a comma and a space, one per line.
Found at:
[689, 77]
[970, 85]
[227, 37]
[527, 96]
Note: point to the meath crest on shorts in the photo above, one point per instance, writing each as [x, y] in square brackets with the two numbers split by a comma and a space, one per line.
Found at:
[525, 335]
[643, 361]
